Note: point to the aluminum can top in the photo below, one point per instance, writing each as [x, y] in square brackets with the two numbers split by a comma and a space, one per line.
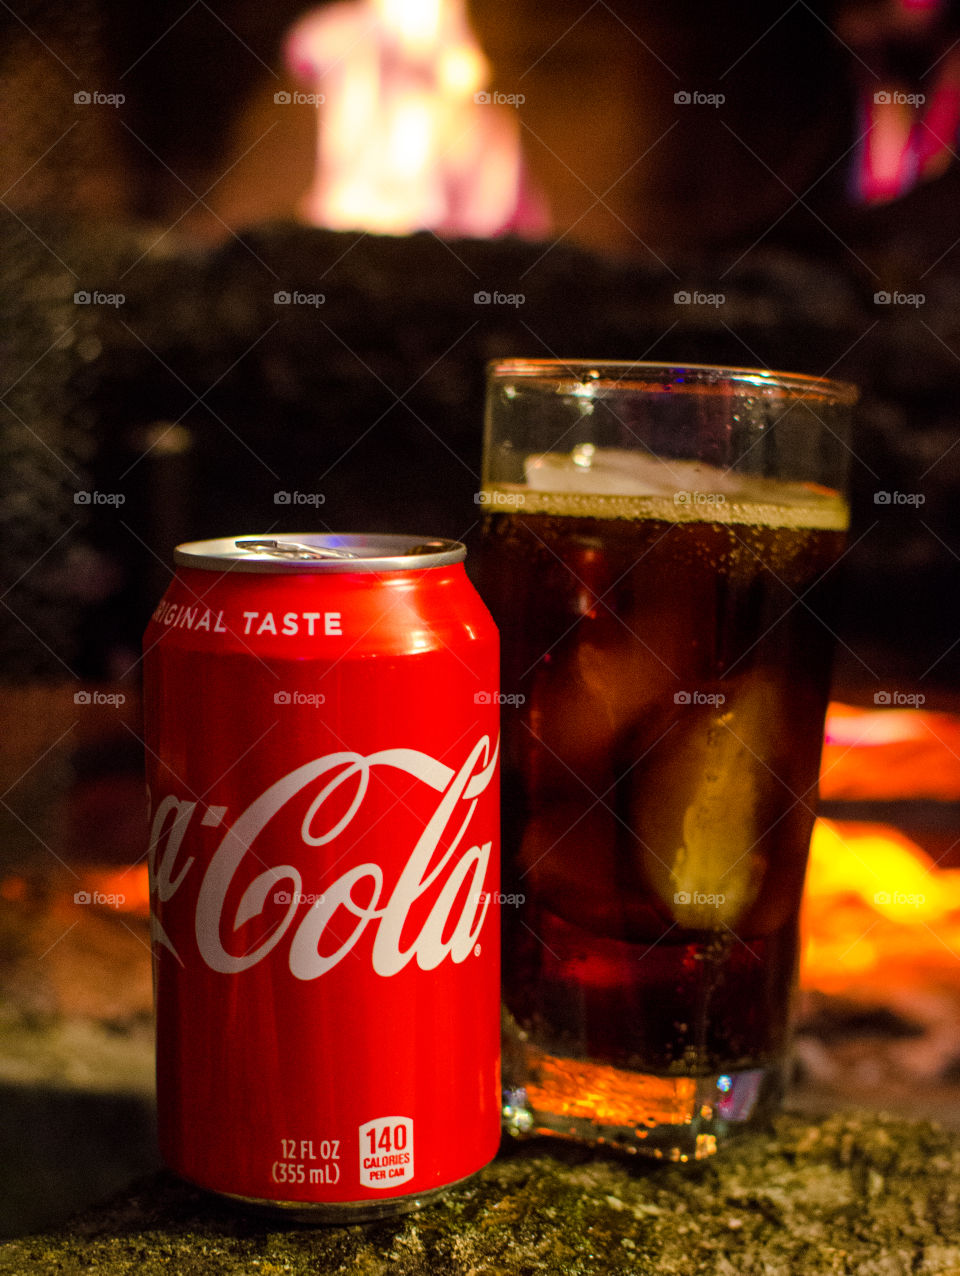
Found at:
[294, 552]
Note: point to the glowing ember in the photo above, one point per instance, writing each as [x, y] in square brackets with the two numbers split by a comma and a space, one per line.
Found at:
[13, 889]
[408, 137]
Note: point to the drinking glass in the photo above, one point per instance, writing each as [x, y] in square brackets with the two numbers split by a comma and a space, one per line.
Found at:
[659, 553]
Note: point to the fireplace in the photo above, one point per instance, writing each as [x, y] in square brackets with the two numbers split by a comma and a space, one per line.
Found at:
[645, 225]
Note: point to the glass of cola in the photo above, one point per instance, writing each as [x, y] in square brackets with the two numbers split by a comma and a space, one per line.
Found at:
[660, 550]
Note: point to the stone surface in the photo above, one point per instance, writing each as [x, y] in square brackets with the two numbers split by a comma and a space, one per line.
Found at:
[852, 1193]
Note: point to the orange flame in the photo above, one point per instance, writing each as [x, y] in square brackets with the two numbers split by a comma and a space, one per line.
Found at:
[878, 909]
[871, 754]
[127, 889]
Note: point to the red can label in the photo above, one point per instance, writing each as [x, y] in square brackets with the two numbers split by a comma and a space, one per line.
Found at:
[323, 786]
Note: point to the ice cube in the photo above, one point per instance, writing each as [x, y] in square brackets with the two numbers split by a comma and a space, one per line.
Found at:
[698, 807]
[576, 861]
[568, 860]
[595, 687]
[610, 471]
[586, 469]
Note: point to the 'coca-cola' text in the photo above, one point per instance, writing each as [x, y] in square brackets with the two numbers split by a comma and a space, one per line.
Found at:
[361, 889]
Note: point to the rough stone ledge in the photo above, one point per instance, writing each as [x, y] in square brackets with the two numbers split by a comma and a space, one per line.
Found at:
[854, 1193]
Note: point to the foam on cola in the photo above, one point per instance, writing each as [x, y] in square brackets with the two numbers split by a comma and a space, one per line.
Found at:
[671, 637]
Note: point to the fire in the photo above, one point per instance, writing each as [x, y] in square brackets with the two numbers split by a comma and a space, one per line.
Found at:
[872, 754]
[409, 138]
[905, 144]
[127, 889]
[878, 909]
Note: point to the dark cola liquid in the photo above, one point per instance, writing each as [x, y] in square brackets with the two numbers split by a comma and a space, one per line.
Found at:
[659, 775]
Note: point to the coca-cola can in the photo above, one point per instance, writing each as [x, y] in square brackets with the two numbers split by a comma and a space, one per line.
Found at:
[322, 739]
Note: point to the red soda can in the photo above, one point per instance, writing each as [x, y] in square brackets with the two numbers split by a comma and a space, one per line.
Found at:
[322, 732]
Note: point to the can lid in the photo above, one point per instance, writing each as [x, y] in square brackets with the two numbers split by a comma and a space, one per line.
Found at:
[285, 552]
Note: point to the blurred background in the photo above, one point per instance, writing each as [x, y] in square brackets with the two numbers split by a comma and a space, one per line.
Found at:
[252, 262]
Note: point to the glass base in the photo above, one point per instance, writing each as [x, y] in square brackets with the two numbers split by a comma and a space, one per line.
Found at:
[666, 1118]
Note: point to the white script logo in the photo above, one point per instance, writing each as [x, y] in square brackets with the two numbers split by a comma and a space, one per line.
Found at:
[388, 910]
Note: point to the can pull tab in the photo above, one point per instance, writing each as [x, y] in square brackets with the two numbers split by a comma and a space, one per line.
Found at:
[291, 549]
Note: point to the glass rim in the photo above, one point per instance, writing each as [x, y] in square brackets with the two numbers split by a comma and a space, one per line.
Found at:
[639, 374]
